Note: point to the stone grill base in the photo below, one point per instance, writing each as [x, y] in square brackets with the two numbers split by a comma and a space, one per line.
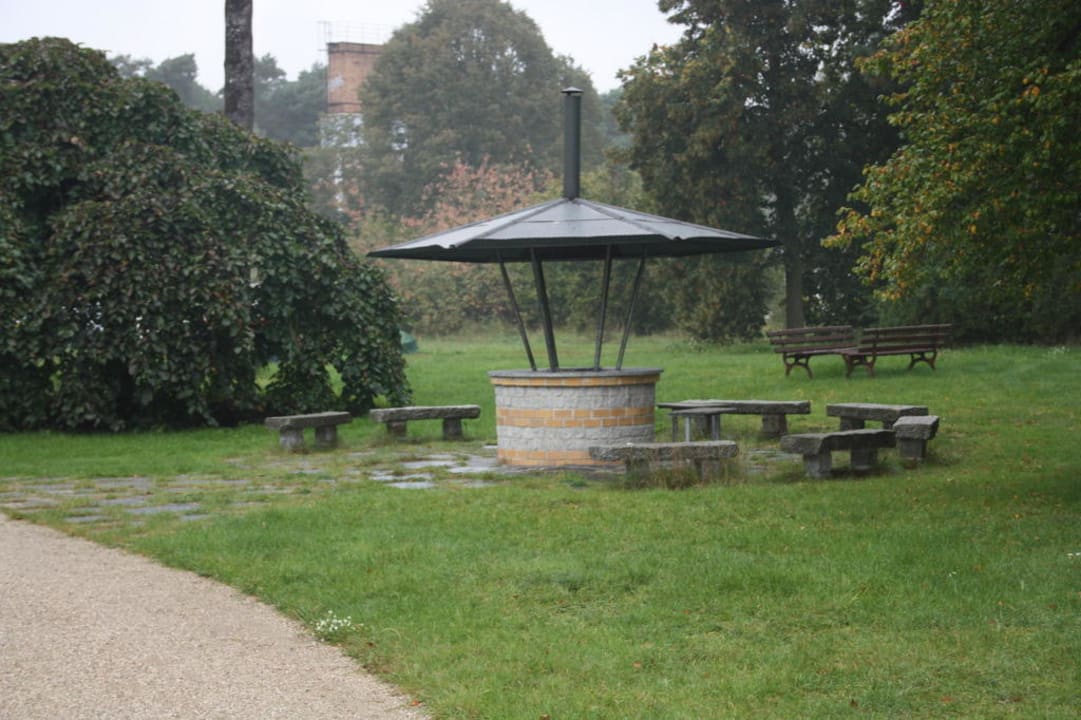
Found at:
[548, 418]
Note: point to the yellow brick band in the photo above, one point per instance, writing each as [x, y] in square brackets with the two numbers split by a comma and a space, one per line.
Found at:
[546, 458]
[546, 418]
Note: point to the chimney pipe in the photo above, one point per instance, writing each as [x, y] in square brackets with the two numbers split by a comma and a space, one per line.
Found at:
[572, 142]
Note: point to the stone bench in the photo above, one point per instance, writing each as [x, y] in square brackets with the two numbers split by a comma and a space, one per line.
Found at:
[816, 449]
[855, 415]
[291, 428]
[774, 412]
[451, 415]
[637, 457]
[913, 432]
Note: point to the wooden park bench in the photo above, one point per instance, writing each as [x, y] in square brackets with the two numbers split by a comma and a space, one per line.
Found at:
[451, 415]
[291, 428]
[774, 413]
[816, 449]
[798, 345]
[638, 457]
[920, 342]
[913, 432]
[855, 415]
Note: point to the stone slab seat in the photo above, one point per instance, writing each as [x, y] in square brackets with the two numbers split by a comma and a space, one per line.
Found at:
[774, 413]
[451, 415]
[816, 449]
[913, 432]
[855, 415]
[291, 428]
[637, 457]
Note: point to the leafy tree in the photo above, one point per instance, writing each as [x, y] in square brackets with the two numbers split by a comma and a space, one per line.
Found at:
[975, 219]
[153, 258]
[755, 120]
[440, 297]
[286, 110]
[468, 81]
[178, 73]
[289, 110]
[239, 64]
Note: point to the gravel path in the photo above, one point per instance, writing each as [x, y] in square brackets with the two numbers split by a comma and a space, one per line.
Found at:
[91, 632]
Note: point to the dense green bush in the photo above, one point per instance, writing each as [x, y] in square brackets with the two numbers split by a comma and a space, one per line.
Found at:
[154, 259]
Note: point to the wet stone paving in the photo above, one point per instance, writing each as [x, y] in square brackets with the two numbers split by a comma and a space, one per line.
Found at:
[191, 497]
[256, 482]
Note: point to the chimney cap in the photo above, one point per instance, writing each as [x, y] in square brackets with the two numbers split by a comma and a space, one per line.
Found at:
[571, 91]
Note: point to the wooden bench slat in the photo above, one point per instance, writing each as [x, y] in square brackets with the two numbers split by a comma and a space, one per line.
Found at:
[920, 342]
[798, 345]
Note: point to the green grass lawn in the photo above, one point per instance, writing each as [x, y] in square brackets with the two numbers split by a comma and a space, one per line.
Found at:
[948, 591]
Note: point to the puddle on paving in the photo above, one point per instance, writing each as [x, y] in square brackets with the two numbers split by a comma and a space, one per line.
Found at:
[168, 507]
[421, 464]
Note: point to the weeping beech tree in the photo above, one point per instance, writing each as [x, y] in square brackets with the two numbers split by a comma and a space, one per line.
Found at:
[153, 260]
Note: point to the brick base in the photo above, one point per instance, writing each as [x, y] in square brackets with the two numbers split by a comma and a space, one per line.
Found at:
[553, 418]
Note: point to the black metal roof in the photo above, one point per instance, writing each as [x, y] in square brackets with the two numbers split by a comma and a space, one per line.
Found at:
[572, 229]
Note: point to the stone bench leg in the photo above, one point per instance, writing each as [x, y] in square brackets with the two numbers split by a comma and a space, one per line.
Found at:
[701, 425]
[710, 469]
[326, 437]
[864, 459]
[396, 428]
[291, 439]
[452, 428]
[851, 423]
[774, 425]
[912, 450]
[818, 466]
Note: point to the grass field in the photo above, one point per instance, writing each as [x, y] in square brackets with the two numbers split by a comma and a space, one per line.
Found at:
[948, 591]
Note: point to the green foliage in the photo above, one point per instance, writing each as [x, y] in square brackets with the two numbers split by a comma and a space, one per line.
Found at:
[179, 73]
[289, 110]
[440, 298]
[721, 300]
[975, 219]
[756, 120]
[155, 258]
[469, 81]
[286, 110]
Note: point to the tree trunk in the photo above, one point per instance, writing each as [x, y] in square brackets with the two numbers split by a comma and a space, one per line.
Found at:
[793, 260]
[239, 64]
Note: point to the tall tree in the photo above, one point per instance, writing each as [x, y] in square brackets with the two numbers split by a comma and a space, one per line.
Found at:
[468, 81]
[289, 110]
[755, 120]
[239, 64]
[976, 218]
[179, 73]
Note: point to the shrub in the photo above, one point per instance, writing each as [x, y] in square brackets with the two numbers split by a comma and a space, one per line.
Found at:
[153, 258]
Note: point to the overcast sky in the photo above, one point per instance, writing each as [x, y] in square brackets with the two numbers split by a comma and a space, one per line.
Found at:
[602, 36]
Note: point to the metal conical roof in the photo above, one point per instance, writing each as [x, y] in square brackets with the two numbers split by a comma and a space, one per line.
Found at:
[572, 229]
